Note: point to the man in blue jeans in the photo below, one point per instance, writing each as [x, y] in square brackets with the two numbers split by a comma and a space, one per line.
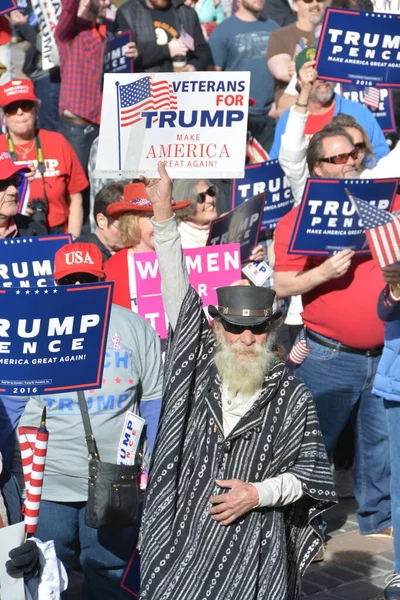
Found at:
[131, 384]
[345, 336]
[387, 385]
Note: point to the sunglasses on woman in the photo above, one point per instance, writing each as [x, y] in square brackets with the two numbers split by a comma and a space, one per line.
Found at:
[201, 198]
[341, 159]
[239, 329]
[24, 105]
[16, 181]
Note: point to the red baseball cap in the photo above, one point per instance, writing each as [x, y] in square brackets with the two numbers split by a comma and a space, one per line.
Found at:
[17, 89]
[8, 168]
[78, 258]
[135, 200]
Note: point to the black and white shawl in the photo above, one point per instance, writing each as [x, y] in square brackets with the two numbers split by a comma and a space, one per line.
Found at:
[185, 554]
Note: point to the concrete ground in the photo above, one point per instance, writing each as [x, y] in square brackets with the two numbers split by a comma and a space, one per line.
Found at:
[355, 566]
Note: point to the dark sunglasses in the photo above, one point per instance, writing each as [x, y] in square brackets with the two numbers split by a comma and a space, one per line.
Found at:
[24, 105]
[341, 159]
[16, 181]
[360, 146]
[77, 277]
[239, 329]
[201, 198]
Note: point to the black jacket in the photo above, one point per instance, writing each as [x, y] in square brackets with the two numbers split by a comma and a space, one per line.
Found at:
[136, 16]
[92, 238]
[27, 227]
[279, 11]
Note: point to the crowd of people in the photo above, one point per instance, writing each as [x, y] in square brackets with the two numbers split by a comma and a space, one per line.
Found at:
[243, 451]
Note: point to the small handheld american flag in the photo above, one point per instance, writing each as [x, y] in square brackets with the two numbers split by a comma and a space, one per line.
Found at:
[33, 442]
[372, 97]
[255, 152]
[299, 350]
[382, 230]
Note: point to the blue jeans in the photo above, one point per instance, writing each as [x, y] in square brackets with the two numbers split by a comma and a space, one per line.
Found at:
[104, 552]
[47, 89]
[339, 383]
[393, 419]
[81, 139]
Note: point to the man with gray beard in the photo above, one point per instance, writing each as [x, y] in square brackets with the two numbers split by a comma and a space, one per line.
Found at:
[239, 472]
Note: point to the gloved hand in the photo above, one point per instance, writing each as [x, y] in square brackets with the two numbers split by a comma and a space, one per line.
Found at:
[24, 561]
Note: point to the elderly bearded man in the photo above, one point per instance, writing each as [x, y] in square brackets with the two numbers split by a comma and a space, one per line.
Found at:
[239, 470]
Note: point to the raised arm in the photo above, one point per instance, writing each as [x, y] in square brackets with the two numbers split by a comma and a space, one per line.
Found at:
[167, 241]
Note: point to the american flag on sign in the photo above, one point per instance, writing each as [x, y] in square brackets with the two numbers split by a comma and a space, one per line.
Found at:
[255, 152]
[33, 442]
[144, 94]
[382, 230]
[299, 350]
[372, 97]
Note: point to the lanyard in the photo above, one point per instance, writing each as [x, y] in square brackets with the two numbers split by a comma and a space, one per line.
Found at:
[39, 153]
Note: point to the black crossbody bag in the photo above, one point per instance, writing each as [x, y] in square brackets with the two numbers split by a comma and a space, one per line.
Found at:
[113, 489]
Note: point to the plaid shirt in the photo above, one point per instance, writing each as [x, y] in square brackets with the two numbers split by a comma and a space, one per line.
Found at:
[80, 45]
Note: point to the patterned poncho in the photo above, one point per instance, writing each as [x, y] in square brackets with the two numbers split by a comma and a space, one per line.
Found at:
[185, 554]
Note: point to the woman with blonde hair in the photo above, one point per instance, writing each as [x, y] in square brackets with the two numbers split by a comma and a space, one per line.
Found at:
[133, 213]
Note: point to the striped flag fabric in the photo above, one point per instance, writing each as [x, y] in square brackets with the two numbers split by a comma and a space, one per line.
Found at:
[255, 152]
[144, 94]
[300, 45]
[299, 350]
[382, 230]
[372, 97]
[33, 442]
[187, 39]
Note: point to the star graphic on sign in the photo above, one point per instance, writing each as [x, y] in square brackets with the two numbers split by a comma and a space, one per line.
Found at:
[11, 241]
[18, 241]
[24, 240]
[117, 380]
[46, 291]
[130, 381]
[18, 292]
[36, 291]
[55, 291]
[30, 240]
[5, 242]
[27, 292]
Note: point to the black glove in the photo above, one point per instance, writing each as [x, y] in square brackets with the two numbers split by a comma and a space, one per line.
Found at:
[24, 561]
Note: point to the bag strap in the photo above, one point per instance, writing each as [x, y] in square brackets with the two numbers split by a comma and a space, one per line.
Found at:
[89, 437]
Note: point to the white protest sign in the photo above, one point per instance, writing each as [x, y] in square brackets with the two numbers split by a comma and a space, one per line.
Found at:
[195, 122]
[47, 13]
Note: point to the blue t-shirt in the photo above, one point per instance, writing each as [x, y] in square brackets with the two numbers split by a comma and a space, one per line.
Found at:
[241, 46]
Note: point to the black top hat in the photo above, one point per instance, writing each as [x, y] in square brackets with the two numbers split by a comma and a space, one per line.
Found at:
[245, 305]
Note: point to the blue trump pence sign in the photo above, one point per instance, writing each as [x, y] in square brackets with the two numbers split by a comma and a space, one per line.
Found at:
[359, 46]
[28, 262]
[327, 221]
[114, 60]
[241, 225]
[53, 339]
[264, 177]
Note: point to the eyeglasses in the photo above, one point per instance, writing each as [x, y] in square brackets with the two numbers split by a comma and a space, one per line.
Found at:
[78, 278]
[361, 146]
[311, 1]
[341, 159]
[239, 329]
[24, 105]
[201, 198]
[16, 181]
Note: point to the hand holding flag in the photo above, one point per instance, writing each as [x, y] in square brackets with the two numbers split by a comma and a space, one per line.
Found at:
[382, 230]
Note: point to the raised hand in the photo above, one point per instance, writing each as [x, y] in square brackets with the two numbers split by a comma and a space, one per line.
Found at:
[159, 192]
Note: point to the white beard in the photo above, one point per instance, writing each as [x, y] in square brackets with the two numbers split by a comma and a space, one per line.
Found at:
[244, 375]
